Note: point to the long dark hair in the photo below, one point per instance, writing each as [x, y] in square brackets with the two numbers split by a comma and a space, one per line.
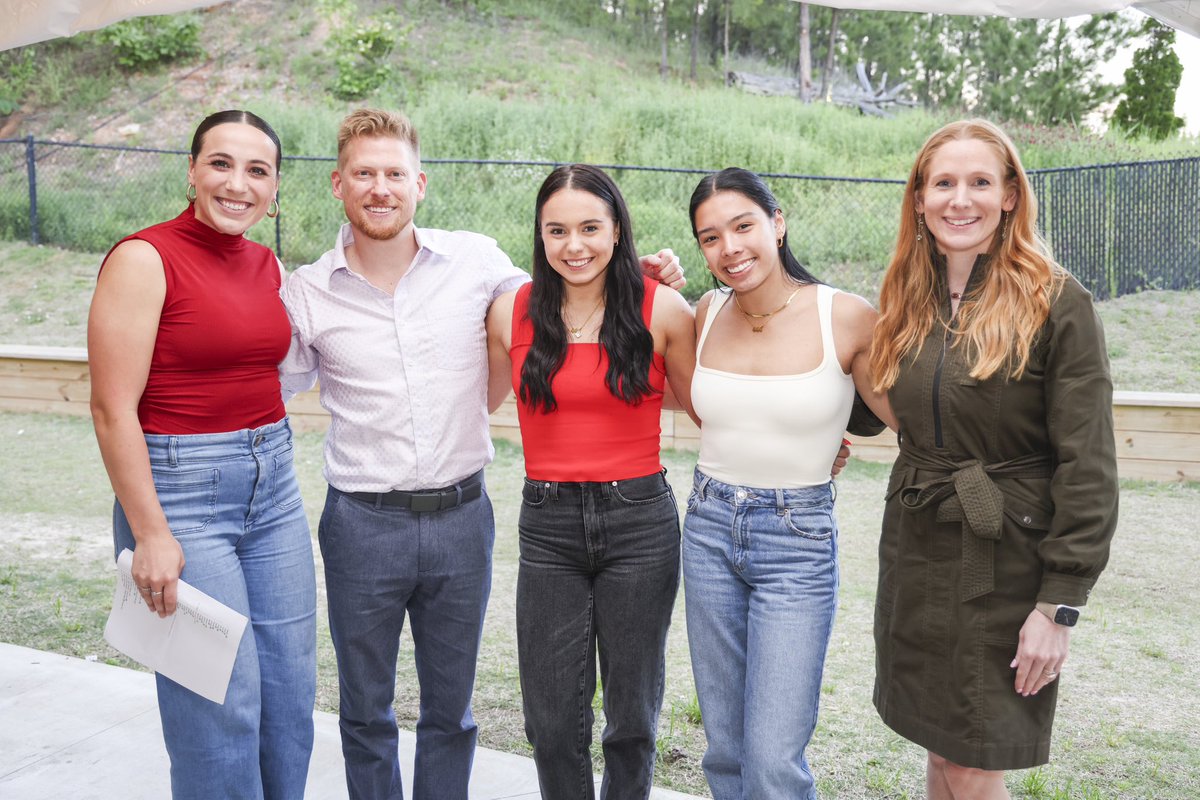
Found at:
[234, 115]
[753, 188]
[623, 333]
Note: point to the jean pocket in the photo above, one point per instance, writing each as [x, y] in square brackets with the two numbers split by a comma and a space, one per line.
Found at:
[188, 499]
[285, 494]
[641, 491]
[810, 523]
[534, 493]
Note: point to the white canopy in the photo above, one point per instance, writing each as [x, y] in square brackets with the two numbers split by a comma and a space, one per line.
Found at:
[1182, 15]
[30, 21]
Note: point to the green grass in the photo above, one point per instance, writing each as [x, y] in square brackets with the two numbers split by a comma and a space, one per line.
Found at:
[1153, 337]
[1125, 729]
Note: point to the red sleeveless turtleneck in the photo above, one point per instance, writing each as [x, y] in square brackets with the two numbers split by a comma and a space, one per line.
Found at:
[221, 336]
[591, 435]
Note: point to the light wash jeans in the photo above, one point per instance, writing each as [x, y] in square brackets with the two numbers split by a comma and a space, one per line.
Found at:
[381, 564]
[760, 583]
[233, 503]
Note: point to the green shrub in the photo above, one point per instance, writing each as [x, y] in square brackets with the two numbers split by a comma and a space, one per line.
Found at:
[16, 73]
[146, 41]
[359, 49]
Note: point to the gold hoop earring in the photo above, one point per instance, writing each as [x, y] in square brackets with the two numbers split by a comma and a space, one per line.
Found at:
[779, 243]
[190, 194]
[275, 204]
[920, 226]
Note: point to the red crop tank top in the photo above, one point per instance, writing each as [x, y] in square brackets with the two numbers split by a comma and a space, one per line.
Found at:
[221, 336]
[592, 435]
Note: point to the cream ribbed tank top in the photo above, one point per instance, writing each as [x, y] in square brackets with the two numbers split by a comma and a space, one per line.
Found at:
[773, 431]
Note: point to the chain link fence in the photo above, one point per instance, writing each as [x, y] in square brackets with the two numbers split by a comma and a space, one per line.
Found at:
[1120, 228]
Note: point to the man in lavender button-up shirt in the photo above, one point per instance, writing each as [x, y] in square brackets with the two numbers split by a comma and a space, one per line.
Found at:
[391, 320]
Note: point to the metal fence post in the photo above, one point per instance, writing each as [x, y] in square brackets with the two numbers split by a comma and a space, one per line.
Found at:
[278, 215]
[31, 172]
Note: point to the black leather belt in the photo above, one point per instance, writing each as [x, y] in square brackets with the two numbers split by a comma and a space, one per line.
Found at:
[433, 500]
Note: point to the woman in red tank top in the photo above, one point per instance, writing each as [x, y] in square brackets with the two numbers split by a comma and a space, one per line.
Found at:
[588, 347]
[185, 335]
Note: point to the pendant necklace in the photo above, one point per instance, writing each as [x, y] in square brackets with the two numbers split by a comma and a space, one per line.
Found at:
[578, 332]
[750, 316]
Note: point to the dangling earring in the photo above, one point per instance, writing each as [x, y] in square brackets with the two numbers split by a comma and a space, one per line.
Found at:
[920, 226]
[1004, 227]
[779, 243]
[275, 204]
[190, 194]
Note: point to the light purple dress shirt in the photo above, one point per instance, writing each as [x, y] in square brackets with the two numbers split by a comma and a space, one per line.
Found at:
[404, 376]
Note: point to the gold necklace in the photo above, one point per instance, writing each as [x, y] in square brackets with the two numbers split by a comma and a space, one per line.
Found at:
[765, 317]
[578, 332]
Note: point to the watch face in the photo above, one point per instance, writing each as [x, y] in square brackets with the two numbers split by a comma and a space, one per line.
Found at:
[1065, 615]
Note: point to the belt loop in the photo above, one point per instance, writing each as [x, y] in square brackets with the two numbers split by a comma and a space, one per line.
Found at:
[457, 494]
[832, 492]
[379, 500]
[702, 487]
[780, 502]
[554, 490]
[173, 451]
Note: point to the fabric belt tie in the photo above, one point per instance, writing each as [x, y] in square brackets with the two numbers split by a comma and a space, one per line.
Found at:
[965, 492]
[432, 500]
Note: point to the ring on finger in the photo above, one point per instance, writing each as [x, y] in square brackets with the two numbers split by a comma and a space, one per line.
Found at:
[156, 594]
[143, 588]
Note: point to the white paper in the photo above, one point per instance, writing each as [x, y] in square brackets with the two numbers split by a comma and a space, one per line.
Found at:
[195, 647]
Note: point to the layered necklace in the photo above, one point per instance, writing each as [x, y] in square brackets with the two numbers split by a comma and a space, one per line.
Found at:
[751, 317]
[577, 332]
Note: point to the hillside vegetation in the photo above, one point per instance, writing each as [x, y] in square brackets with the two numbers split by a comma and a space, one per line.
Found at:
[518, 80]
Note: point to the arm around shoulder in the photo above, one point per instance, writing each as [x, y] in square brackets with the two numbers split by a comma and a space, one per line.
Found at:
[499, 343]
[673, 319]
[853, 324]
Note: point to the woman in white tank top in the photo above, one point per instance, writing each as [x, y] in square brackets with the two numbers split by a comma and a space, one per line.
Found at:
[779, 358]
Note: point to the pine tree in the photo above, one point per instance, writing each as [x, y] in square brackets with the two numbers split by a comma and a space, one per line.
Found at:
[1148, 108]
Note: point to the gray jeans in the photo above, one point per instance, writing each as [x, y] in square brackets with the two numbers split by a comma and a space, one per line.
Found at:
[599, 573]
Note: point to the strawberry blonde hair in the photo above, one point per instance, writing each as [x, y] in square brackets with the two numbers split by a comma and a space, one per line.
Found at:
[1000, 321]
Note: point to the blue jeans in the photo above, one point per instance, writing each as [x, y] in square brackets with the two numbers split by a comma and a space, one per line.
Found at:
[599, 571]
[233, 503]
[382, 562]
[760, 581]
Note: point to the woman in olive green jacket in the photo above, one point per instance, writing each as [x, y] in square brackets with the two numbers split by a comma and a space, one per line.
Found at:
[1003, 500]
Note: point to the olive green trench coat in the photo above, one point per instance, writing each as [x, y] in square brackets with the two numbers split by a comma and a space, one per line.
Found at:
[1005, 493]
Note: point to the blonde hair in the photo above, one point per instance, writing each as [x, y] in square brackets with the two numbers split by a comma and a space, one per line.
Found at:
[372, 122]
[1001, 320]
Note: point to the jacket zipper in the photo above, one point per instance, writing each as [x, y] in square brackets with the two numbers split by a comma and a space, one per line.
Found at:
[937, 391]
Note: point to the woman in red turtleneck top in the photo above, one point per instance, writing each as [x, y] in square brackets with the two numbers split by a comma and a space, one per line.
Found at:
[588, 346]
[184, 337]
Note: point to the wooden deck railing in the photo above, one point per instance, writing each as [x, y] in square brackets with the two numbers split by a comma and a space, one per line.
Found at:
[1158, 434]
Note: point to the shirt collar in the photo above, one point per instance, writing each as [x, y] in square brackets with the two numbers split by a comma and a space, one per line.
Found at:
[345, 238]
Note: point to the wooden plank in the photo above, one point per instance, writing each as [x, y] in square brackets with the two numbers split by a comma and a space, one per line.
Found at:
[28, 405]
[42, 369]
[22, 387]
[1158, 446]
[1164, 399]
[1158, 470]
[36, 353]
[1156, 418]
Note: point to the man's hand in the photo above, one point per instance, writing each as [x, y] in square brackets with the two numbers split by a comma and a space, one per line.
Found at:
[840, 462]
[665, 268]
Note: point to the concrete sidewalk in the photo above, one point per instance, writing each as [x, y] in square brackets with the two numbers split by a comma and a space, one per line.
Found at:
[88, 731]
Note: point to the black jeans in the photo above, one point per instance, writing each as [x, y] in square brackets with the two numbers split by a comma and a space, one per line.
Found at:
[599, 572]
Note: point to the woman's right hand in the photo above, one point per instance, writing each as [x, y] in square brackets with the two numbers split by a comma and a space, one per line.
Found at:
[157, 563]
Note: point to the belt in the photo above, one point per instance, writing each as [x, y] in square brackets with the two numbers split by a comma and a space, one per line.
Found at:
[965, 492]
[432, 500]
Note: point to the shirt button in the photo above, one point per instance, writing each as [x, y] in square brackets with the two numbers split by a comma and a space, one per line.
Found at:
[1028, 520]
